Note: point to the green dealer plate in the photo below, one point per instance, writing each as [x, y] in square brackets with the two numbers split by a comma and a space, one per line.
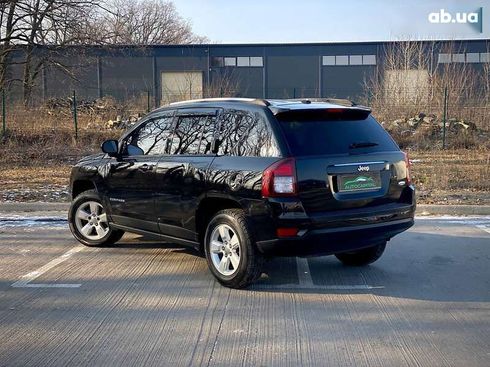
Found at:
[359, 182]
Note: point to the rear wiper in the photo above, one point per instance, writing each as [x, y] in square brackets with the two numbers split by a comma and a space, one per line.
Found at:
[364, 144]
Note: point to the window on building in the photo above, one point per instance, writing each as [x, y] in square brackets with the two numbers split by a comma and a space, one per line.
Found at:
[342, 60]
[369, 59]
[216, 62]
[230, 61]
[472, 57]
[246, 61]
[151, 138]
[256, 61]
[355, 59]
[243, 61]
[193, 135]
[444, 58]
[485, 57]
[458, 58]
[328, 60]
[349, 60]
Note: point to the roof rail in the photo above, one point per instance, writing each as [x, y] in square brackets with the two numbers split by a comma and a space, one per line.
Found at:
[225, 99]
[338, 101]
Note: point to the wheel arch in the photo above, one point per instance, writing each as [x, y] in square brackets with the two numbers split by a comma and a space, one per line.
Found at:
[207, 208]
[80, 186]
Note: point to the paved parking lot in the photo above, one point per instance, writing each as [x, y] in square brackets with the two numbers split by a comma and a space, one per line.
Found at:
[142, 302]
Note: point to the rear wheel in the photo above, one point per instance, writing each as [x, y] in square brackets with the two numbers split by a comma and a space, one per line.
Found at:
[88, 221]
[230, 249]
[362, 257]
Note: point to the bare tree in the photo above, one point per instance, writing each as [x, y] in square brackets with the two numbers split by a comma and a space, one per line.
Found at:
[144, 22]
[41, 29]
[485, 77]
[405, 76]
[7, 35]
[413, 76]
[27, 24]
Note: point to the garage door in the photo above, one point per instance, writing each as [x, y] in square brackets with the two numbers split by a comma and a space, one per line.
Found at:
[182, 85]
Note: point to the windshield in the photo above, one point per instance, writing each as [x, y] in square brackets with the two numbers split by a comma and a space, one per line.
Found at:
[339, 132]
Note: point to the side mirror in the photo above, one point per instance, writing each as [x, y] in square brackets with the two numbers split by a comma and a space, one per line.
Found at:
[110, 147]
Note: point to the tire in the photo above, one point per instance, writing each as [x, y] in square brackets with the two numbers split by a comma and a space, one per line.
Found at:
[362, 257]
[89, 229]
[236, 262]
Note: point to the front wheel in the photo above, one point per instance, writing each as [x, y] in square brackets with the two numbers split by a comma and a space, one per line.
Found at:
[88, 221]
[230, 249]
[362, 257]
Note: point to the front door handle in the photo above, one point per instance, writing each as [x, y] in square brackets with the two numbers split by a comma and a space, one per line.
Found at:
[146, 167]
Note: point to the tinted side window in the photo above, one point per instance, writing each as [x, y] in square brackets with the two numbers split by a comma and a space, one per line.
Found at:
[151, 138]
[193, 135]
[244, 133]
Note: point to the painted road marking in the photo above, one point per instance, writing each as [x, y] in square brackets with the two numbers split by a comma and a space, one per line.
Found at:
[306, 282]
[304, 275]
[25, 281]
[483, 227]
[333, 287]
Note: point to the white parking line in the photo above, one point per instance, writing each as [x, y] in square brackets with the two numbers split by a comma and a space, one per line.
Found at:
[333, 287]
[306, 282]
[46, 285]
[304, 275]
[25, 281]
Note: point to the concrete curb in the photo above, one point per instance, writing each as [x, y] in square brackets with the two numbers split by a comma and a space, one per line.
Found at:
[422, 209]
[33, 207]
[427, 209]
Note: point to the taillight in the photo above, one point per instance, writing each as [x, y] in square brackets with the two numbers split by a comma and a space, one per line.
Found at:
[407, 165]
[279, 179]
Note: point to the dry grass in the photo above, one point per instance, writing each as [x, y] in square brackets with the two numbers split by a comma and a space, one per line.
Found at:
[452, 176]
[441, 177]
[35, 161]
[40, 148]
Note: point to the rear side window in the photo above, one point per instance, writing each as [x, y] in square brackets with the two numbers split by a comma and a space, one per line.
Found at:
[337, 132]
[193, 135]
[244, 133]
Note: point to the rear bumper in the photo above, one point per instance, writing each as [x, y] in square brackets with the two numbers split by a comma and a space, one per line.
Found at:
[328, 241]
[334, 231]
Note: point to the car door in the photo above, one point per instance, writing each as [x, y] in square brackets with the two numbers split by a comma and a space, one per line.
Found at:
[131, 184]
[181, 175]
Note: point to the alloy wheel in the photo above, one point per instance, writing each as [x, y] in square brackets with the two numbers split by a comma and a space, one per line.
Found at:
[225, 249]
[91, 220]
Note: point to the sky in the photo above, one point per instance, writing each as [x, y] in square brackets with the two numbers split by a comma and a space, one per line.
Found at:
[290, 21]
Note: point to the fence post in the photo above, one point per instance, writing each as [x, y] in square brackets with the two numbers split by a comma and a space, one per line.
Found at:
[75, 115]
[444, 116]
[4, 115]
[147, 100]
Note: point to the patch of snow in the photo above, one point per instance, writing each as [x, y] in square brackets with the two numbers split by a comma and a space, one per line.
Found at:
[454, 219]
[31, 221]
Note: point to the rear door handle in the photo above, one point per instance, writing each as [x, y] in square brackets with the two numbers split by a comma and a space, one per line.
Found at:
[146, 167]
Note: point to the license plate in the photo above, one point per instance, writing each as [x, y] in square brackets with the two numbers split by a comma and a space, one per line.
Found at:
[359, 182]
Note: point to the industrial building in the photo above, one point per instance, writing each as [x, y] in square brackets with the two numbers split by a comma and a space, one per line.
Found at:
[167, 73]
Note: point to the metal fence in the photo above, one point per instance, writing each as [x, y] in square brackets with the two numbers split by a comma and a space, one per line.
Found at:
[442, 116]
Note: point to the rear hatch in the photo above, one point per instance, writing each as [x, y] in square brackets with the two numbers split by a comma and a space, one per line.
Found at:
[344, 159]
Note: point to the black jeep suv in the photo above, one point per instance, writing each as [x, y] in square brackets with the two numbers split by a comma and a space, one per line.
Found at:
[244, 179]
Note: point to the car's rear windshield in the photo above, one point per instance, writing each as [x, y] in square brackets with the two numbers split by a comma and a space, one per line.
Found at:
[319, 132]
